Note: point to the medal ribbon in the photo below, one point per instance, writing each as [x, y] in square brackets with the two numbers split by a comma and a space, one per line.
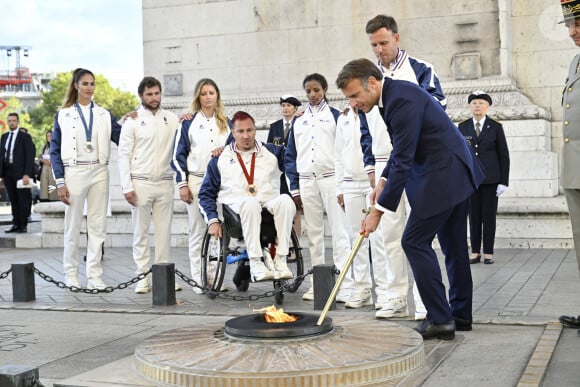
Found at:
[250, 176]
[88, 129]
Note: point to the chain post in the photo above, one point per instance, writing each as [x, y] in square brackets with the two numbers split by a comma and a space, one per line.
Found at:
[23, 289]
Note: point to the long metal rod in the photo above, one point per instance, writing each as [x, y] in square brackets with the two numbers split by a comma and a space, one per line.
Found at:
[343, 272]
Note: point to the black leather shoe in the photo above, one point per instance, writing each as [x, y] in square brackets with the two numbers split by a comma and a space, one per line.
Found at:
[461, 324]
[475, 259]
[488, 259]
[11, 229]
[436, 331]
[570, 321]
[22, 230]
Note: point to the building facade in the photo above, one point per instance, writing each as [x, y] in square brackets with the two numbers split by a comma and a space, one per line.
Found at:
[257, 50]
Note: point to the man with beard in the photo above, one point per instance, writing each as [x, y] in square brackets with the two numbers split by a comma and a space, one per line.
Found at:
[145, 151]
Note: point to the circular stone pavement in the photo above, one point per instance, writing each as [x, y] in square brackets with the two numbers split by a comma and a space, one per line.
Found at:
[354, 353]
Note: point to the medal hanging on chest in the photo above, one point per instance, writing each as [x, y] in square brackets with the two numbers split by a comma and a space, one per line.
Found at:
[89, 147]
[251, 189]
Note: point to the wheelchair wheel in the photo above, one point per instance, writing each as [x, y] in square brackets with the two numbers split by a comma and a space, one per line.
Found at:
[213, 262]
[278, 297]
[295, 262]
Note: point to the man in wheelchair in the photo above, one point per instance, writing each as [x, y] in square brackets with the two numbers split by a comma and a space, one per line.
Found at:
[246, 177]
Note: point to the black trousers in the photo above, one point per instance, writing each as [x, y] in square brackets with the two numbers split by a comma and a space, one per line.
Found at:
[482, 215]
[20, 201]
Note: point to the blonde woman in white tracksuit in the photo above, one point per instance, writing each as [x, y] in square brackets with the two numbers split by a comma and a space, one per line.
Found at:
[205, 130]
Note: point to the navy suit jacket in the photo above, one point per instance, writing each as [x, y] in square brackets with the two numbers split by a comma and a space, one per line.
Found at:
[430, 159]
[491, 148]
[22, 156]
[276, 137]
[276, 133]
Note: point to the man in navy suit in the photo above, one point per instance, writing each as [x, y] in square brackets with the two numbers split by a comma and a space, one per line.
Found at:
[17, 162]
[431, 161]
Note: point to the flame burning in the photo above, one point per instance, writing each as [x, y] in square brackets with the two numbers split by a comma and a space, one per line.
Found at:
[273, 315]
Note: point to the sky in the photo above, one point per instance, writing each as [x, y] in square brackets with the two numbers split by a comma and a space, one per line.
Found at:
[104, 36]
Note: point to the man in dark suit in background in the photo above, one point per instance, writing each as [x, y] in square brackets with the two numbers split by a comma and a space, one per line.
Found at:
[431, 161]
[17, 153]
[487, 139]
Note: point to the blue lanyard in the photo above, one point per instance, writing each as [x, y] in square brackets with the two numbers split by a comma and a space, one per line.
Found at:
[89, 129]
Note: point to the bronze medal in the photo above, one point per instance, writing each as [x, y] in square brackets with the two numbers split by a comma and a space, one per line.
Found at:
[251, 189]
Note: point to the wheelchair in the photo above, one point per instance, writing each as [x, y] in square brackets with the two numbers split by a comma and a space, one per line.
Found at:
[217, 254]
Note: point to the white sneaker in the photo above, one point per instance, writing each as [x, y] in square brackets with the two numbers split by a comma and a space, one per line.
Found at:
[309, 295]
[359, 298]
[343, 295]
[268, 261]
[381, 301]
[420, 310]
[143, 286]
[281, 267]
[177, 287]
[72, 280]
[394, 307]
[197, 290]
[96, 283]
[258, 270]
[420, 315]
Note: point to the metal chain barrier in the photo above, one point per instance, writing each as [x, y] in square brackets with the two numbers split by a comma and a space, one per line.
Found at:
[108, 289]
[288, 287]
[5, 274]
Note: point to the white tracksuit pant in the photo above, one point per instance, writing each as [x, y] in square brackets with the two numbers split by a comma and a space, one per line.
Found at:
[153, 198]
[250, 211]
[390, 265]
[196, 228]
[90, 183]
[355, 196]
[319, 195]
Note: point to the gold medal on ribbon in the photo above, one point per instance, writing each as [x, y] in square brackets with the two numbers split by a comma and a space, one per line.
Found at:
[89, 147]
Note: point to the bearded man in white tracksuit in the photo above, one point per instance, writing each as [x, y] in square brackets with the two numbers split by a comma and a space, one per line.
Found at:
[145, 152]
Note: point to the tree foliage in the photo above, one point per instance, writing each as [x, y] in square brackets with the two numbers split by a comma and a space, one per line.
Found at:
[118, 102]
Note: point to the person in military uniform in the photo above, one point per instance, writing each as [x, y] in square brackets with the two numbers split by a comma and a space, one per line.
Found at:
[487, 139]
[569, 176]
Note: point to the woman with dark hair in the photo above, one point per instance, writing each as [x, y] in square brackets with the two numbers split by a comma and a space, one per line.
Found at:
[203, 132]
[48, 191]
[309, 165]
[79, 154]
